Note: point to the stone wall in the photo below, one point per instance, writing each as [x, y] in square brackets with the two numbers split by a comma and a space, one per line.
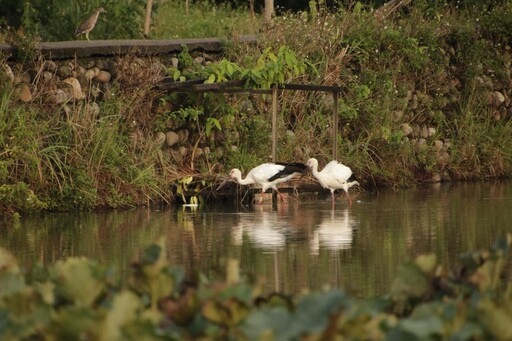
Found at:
[63, 85]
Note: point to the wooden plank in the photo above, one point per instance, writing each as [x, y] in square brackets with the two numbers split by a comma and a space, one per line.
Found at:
[84, 48]
[235, 86]
[310, 87]
[169, 84]
[230, 90]
[215, 86]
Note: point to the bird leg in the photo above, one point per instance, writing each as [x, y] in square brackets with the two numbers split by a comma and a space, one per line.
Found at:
[87, 35]
[349, 200]
[261, 197]
[333, 199]
[283, 199]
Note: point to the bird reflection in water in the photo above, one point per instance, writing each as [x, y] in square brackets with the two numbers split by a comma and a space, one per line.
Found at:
[263, 228]
[267, 231]
[335, 232]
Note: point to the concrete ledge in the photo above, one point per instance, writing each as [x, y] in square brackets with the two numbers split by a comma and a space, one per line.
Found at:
[84, 48]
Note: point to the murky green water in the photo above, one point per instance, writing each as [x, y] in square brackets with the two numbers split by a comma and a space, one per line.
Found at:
[296, 247]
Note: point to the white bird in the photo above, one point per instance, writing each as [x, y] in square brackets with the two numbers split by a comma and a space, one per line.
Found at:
[267, 175]
[334, 176]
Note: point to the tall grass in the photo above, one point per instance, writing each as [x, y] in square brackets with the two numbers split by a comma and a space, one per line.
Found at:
[205, 19]
[482, 145]
[75, 158]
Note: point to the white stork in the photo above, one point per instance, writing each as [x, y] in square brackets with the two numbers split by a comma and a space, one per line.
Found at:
[334, 176]
[267, 175]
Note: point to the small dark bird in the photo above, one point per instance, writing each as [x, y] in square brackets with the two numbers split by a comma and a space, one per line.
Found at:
[88, 25]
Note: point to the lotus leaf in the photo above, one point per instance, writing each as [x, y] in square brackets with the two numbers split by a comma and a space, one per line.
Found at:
[123, 311]
[74, 323]
[410, 282]
[12, 282]
[496, 318]
[153, 276]
[76, 282]
[267, 324]
[46, 291]
[422, 329]
[182, 310]
[314, 313]
[26, 314]
[11, 279]
[427, 263]
[228, 313]
[468, 331]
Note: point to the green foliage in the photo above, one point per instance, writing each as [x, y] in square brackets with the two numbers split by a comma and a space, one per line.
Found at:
[76, 297]
[222, 71]
[268, 69]
[271, 68]
[20, 198]
[497, 24]
[205, 19]
[122, 19]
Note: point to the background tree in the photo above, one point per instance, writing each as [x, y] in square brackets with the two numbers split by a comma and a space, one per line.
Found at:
[268, 11]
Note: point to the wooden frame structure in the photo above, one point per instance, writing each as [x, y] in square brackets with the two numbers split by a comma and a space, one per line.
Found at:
[236, 86]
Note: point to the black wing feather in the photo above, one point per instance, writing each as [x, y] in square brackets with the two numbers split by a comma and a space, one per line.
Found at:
[289, 168]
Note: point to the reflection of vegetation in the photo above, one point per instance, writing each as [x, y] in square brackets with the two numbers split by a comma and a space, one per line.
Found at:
[77, 299]
[390, 227]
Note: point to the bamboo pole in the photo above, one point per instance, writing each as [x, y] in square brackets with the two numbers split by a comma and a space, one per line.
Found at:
[335, 126]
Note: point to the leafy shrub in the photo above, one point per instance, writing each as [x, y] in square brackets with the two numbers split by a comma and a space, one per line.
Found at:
[497, 24]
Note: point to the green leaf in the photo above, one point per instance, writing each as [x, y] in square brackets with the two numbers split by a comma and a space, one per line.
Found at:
[11, 278]
[496, 318]
[422, 328]
[210, 80]
[75, 280]
[427, 263]
[151, 254]
[267, 324]
[11, 283]
[216, 312]
[177, 75]
[210, 123]
[27, 314]
[72, 322]
[469, 331]
[313, 313]
[123, 311]
[410, 282]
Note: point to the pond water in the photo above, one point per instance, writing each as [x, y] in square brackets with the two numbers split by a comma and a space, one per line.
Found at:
[298, 246]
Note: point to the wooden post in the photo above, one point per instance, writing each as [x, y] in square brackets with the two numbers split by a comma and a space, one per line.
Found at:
[147, 21]
[268, 11]
[274, 124]
[335, 126]
[274, 135]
